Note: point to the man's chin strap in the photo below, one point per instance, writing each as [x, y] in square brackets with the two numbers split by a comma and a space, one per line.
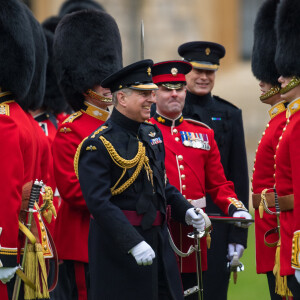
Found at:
[96, 96]
[293, 83]
[271, 92]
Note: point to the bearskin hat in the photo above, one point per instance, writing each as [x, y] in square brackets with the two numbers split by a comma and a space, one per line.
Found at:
[75, 5]
[264, 47]
[287, 27]
[16, 50]
[53, 99]
[51, 23]
[37, 88]
[86, 49]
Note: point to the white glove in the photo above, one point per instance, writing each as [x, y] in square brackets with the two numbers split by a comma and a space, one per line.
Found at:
[297, 275]
[242, 214]
[235, 249]
[6, 274]
[194, 219]
[143, 253]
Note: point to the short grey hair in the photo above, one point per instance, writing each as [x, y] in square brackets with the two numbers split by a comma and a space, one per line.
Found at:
[127, 91]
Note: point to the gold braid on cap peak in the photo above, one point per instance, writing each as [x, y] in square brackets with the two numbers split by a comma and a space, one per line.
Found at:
[271, 92]
[139, 160]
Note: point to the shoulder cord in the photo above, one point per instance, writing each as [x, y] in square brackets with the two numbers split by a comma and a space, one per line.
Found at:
[76, 157]
[140, 160]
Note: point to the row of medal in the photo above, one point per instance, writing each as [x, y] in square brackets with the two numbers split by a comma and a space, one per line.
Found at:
[195, 140]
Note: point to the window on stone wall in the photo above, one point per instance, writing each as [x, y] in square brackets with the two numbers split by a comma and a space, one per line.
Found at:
[248, 14]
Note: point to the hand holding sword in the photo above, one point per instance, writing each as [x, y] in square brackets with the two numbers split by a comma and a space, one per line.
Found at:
[202, 225]
[235, 252]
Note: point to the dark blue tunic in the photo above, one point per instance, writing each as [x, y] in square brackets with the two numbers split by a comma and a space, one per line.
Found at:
[114, 272]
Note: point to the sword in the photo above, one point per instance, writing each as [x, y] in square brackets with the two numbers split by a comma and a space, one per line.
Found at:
[34, 196]
[142, 40]
[196, 235]
[230, 220]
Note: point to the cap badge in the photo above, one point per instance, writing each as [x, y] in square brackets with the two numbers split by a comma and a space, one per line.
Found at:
[149, 71]
[207, 51]
[120, 86]
[174, 71]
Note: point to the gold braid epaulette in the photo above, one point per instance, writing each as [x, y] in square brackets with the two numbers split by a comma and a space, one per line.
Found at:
[140, 160]
[76, 157]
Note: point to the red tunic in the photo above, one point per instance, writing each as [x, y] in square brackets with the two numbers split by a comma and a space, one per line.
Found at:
[49, 131]
[73, 219]
[287, 178]
[17, 169]
[263, 178]
[61, 117]
[194, 172]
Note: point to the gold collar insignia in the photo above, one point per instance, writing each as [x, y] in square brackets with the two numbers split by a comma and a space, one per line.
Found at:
[293, 107]
[277, 109]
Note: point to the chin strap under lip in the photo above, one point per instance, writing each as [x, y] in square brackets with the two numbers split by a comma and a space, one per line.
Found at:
[98, 97]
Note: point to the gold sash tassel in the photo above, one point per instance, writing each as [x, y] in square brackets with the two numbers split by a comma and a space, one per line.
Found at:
[35, 277]
[280, 281]
[208, 240]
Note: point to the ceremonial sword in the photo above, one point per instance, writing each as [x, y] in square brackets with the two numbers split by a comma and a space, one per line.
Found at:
[34, 196]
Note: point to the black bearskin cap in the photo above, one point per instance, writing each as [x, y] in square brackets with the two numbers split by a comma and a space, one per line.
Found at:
[36, 92]
[16, 50]
[264, 47]
[76, 5]
[51, 23]
[53, 100]
[288, 42]
[87, 48]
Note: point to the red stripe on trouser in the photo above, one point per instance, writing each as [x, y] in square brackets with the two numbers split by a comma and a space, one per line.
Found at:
[80, 280]
[3, 291]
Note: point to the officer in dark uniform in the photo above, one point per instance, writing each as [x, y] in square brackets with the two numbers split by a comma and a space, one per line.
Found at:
[226, 121]
[123, 180]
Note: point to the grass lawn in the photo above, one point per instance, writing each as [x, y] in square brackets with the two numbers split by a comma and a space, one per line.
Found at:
[249, 285]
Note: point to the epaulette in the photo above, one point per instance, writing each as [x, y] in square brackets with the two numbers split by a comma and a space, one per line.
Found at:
[100, 131]
[197, 123]
[4, 106]
[225, 101]
[72, 117]
[148, 123]
[4, 109]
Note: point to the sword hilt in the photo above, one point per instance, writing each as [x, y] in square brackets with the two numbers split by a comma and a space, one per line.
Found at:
[35, 193]
[276, 202]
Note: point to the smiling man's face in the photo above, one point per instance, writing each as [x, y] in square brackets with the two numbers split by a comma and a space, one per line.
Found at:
[200, 82]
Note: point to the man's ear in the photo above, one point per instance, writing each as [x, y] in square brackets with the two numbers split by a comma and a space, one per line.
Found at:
[122, 99]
